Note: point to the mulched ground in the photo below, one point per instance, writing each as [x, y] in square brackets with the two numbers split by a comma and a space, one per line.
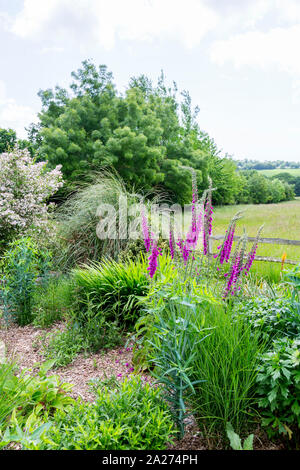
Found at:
[22, 345]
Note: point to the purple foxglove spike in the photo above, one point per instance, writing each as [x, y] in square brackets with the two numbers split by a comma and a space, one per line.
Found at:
[153, 260]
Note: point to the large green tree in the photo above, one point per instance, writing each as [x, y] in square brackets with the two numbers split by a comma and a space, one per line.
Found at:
[147, 134]
[8, 139]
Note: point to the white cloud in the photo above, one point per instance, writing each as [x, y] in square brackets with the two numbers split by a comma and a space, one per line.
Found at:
[104, 20]
[274, 44]
[277, 47]
[289, 10]
[52, 49]
[32, 18]
[13, 115]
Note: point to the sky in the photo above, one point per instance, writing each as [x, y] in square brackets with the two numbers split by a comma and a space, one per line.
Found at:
[239, 60]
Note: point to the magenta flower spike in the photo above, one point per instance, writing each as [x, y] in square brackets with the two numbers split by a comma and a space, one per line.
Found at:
[171, 244]
[145, 229]
[183, 250]
[236, 269]
[153, 259]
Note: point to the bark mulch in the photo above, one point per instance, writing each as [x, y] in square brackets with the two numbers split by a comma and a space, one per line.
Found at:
[22, 345]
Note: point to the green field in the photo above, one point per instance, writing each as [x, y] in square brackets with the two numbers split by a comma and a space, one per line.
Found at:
[280, 221]
[293, 172]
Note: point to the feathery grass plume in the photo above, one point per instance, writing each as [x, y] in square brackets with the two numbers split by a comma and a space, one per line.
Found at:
[77, 219]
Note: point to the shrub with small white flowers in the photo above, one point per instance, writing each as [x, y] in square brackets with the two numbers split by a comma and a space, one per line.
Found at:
[25, 187]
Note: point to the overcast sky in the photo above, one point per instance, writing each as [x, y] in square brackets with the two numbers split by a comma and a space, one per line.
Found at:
[239, 59]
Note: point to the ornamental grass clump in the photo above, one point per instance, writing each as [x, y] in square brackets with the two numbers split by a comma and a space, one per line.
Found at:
[112, 288]
[78, 219]
[227, 364]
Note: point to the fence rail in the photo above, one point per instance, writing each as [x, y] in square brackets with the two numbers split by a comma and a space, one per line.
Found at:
[273, 241]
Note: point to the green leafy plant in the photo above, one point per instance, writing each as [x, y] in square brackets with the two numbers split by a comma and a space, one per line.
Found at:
[168, 285]
[62, 346]
[133, 416]
[45, 393]
[235, 440]
[278, 387]
[29, 434]
[96, 384]
[23, 266]
[175, 338]
[11, 391]
[25, 398]
[271, 318]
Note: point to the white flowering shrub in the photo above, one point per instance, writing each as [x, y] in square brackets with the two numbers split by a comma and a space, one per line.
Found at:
[25, 187]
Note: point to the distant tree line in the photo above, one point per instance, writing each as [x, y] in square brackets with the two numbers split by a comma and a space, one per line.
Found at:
[290, 179]
[266, 165]
[149, 134]
[259, 189]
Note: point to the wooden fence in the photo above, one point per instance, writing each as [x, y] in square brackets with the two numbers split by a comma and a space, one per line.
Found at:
[273, 241]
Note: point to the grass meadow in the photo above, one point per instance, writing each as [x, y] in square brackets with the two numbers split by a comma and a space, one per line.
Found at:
[291, 171]
[280, 220]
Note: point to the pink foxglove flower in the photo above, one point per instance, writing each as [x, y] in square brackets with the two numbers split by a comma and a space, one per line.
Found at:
[145, 229]
[153, 259]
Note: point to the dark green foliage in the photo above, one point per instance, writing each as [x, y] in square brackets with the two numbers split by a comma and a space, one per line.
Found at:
[131, 417]
[259, 189]
[278, 383]
[266, 165]
[146, 135]
[271, 318]
[136, 248]
[8, 139]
